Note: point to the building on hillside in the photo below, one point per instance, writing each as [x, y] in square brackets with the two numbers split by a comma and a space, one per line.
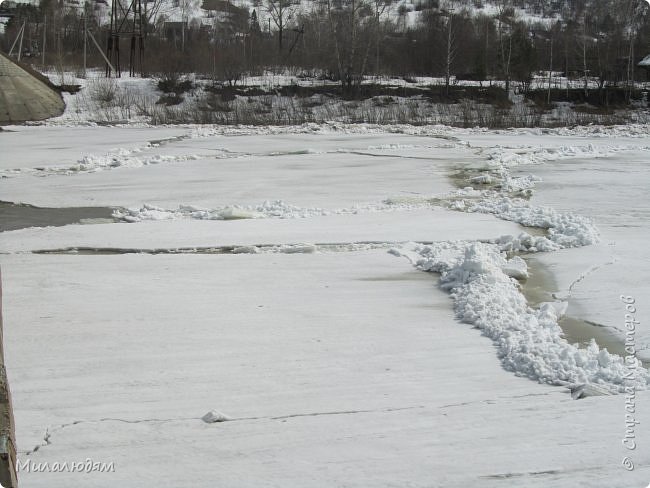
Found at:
[645, 65]
[13, 3]
[174, 30]
[6, 13]
[226, 20]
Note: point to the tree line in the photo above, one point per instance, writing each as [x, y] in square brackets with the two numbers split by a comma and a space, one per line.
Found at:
[590, 41]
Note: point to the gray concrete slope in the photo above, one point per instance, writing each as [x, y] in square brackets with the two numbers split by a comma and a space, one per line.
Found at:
[23, 97]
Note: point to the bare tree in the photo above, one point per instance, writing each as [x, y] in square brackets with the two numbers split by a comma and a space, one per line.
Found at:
[451, 49]
[150, 11]
[186, 7]
[281, 13]
[634, 18]
[505, 45]
[351, 24]
[380, 7]
[584, 45]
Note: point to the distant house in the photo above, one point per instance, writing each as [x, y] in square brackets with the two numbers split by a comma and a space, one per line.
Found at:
[173, 30]
[6, 13]
[6, 10]
[229, 19]
[223, 6]
[645, 65]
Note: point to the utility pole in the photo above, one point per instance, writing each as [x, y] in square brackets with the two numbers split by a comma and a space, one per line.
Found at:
[20, 46]
[85, 37]
[584, 55]
[44, 36]
[184, 6]
[487, 50]
[18, 37]
[550, 70]
[127, 22]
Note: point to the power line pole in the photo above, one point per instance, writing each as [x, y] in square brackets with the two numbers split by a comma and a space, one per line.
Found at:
[85, 37]
[44, 36]
[126, 22]
[22, 35]
[550, 71]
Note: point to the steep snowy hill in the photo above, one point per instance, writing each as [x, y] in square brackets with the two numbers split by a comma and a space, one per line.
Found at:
[409, 11]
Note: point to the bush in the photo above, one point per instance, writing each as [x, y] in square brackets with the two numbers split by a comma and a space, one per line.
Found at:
[611, 97]
[170, 99]
[103, 90]
[172, 83]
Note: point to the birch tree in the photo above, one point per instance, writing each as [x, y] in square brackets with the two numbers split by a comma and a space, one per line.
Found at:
[350, 24]
[281, 13]
[505, 42]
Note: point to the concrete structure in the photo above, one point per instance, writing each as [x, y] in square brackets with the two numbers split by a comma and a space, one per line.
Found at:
[8, 476]
[24, 97]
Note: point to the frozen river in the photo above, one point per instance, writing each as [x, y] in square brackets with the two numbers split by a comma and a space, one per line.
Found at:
[278, 276]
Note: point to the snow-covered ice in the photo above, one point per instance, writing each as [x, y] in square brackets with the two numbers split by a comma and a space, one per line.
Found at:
[351, 367]
[255, 273]
[373, 227]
